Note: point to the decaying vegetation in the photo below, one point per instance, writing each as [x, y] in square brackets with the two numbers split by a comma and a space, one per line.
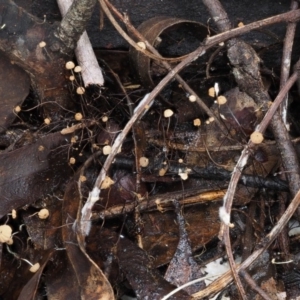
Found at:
[128, 172]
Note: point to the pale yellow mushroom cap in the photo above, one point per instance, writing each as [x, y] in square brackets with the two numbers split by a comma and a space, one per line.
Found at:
[43, 213]
[72, 160]
[70, 65]
[106, 183]
[47, 121]
[14, 214]
[78, 116]
[197, 122]
[80, 90]
[142, 45]
[256, 137]
[168, 113]
[192, 98]
[221, 100]
[77, 69]
[144, 161]
[106, 150]
[17, 109]
[42, 44]
[34, 268]
[212, 92]
[5, 233]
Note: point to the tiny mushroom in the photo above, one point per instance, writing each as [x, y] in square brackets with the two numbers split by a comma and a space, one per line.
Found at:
[78, 116]
[211, 92]
[14, 214]
[43, 213]
[142, 45]
[256, 137]
[47, 121]
[168, 113]
[77, 69]
[72, 160]
[80, 90]
[192, 98]
[104, 119]
[70, 65]
[5, 233]
[106, 149]
[42, 44]
[33, 267]
[144, 161]
[221, 100]
[17, 109]
[197, 122]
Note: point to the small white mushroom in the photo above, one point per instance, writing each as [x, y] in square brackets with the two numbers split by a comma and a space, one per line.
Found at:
[5, 233]
[72, 160]
[221, 100]
[70, 65]
[106, 150]
[142, 45]
[104, 119]
[211, 92]
[80, 90]
[197, 122]
[14, 214]
[42, 44]
[47, 121]
[43, 213]
[192, 98]
[78, 116]
[183, 176]
[77, 69]
[34, 267]
[17, 109]
[256, 137]
[144, 161]
[168, 113]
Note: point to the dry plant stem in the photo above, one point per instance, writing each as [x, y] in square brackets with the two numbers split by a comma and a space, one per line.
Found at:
[232, 264]
[286, 61]
[74, 23]
[126, 21]
[86, 211]
[131, 42]
[291, 16]
[218, 14]
[220, 17]
[253, 285]
[91, 72]
[226, 279]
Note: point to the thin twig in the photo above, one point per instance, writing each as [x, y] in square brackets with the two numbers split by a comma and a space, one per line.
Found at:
[226, 279]
[286, 61]
[253, 285]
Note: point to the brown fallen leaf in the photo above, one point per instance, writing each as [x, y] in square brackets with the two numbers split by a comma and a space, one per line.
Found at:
[30, 289]
[183, 268]
[32, 171]
[91, 280]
